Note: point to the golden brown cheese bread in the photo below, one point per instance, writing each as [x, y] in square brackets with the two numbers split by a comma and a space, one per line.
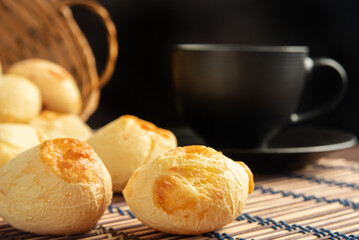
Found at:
[58, 88]
[20, 99]
[189, 190]
[14, 139]
[60, 125]
[58, 187]
[128, 142]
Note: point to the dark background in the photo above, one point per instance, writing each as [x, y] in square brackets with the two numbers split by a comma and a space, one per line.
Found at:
[141, 84]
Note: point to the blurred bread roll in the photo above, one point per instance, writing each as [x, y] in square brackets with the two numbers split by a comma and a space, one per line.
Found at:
[189, 190]
[20, 99]
[62, 187]
[128, 142]
[14, 139]
[59, 125]
[57, 86]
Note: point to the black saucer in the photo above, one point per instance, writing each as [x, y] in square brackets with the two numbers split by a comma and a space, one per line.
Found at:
[293, 148]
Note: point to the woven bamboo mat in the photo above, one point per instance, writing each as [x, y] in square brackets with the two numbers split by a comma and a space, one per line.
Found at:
[318, 202]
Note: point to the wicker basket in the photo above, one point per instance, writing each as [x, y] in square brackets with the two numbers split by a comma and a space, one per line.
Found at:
[46, 29]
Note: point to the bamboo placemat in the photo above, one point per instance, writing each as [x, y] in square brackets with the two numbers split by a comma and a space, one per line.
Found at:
[318, 202]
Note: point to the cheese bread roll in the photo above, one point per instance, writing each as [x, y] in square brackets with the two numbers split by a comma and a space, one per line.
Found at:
[20, 99]
[128, 142]
[14, 139]
[60, 125]
[58, 187]
[58, 88]
[189, 190]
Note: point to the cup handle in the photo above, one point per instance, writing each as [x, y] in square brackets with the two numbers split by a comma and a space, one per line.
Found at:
[310, 65]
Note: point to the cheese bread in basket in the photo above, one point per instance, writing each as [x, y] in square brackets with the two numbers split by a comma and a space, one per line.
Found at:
[46, 29]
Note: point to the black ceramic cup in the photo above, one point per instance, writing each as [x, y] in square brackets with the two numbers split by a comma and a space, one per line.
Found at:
[238, 96]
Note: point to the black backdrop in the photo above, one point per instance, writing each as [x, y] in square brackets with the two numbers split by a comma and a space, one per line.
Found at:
[142, 86]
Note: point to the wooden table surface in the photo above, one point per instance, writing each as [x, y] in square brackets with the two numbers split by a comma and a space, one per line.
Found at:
[319, 201]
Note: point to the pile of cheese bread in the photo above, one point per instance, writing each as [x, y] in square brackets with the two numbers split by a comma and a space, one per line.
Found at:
[57, 176]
